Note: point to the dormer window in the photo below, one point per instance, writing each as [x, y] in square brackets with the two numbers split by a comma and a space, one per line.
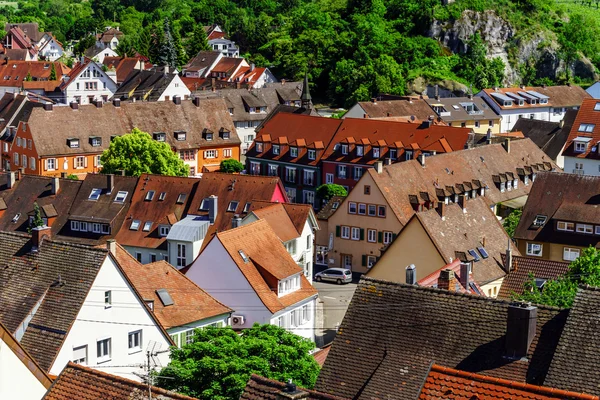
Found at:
[73, 143]
[209, 136]
[180, 135]
[540, 220]
[375, 152]
[275, 149]
[312, 154]
[586, 128]
[160, 136]
[149, 195]
[360, 151]
[225, 134]
[345, 149]
[580, 147]
[259, 147]
[294, 151]
[96, 141]
[113, 137]
[230, 111]
[121, 196]
[95, 194]
[507, 103]
[393, 154]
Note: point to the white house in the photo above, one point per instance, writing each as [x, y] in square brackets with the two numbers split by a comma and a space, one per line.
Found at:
[99, 53]
[225, 46]
[248, 269]
[547, 103]
[20, 376]
[185, 239]
[86, 83]
[582, 150]
[109, 38]
[49, 48]
[294, 224]
[75, 304]
[153, 85]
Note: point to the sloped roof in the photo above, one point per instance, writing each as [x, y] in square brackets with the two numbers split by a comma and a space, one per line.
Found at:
[397, 108]
[330, 208]
[549, 136]
[399, 181]
[203, 59]
[456, 111]
[266, 254]
[298, 213]
[122, 65]
[79, 382]
[392, 332]
[108, 34]
[260, 388]
[14, 73]
[526, 266]
[431, 280]
[558, 96]
[31, 29]
[28, 278]
[574, 366]
[587, 114]
[279, 220]
[145, 84]
[190, 302]
[450, 383]
[159, 212]
[565, 197]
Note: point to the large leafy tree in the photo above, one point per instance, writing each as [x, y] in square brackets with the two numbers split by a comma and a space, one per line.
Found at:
[511, 221]
[198, 42]
[230, 165]
[137, 153]
[585, 270]
[219, 361]
[328, 190]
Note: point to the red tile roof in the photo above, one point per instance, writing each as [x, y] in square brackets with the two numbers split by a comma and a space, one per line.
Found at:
[122, 65]
[431, 280]
[83, 383]
[13, 73]
[524, 268]
[585, 115]
[449, 384]
[267, 257]
[298, 213]
[259, 388]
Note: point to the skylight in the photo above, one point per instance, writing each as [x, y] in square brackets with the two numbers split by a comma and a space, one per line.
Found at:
[335, 205]
[16, 218]
[474, 254]
[586, 128]
[164, 297]
[147, 226]
[121, 196]
[181, 198]
[149, 195]
[95, 195]
[483, 252]
[162, 196]
[597, 107]
[247, 207]
[204, 205]
[540, 220]
[233, 206]
[243, 255]
[135, 225]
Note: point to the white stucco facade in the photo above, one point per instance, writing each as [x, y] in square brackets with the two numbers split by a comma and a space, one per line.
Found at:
[582, 166]
[266, 77]
[107, 52]
[183, 334]
[98, 321]
[356, 111]
[145, 255]
[175, 88]
[92, 83]
[16, 380]
[50, 49]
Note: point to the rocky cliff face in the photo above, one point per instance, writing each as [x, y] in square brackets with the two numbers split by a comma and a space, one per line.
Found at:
[539, 50]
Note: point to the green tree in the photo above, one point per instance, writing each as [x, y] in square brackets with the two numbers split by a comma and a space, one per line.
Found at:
[136, 153]
[52, 76]
[37, 216]
[73, 177]
[585, 270]
[511, 221]
[328, 190]
[231, 165]
[197, 42]
[84, 44]
[163, 46]
[219, 361]
[127, 46]
[28, 78]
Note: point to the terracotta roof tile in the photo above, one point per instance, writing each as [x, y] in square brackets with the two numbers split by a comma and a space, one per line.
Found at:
[523, 267]
[13, 73]
[298, 213]
[586, 115]
[279, 221]
[259, 388]
[398, 108]
[83, 383]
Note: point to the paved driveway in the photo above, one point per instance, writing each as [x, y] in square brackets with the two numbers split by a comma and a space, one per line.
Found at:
[332, 305]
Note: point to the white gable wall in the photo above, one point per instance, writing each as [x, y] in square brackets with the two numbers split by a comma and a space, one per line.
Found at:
[266, 77]
[16, 380]
[108, 52]
[77, 88]
[96, 322]
[216, 273]
[356, 111]
[52, 51]
[175, 88]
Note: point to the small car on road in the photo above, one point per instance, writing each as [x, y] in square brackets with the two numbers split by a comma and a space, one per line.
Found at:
[337, 275]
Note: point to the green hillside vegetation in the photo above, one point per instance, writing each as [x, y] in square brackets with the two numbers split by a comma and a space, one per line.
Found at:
[352, 49]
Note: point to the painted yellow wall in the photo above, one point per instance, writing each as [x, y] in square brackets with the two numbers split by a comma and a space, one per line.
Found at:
[550, 251]
[412, 246]
[492, 289]
[341, 217]
[483, 127]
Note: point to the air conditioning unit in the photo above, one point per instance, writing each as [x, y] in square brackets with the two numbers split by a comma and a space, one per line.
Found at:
[237, 320]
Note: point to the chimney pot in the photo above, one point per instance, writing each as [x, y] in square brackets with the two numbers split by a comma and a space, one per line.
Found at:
[379, 166]
[422, 159]
[236, 221]
[111, 246]
[507, 145]
[48, 106]
[110, 183]
[117, 102]
[441, 209]
[521, 323]
[508, 259]
[55, 185]
[212, 208]
[74, 105]
[196, 101]
[411, 274]
[465, 271]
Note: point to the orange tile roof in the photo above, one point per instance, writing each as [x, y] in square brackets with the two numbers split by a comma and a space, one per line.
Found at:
[122, 65]
[46, 86]
[13, 73]
[279, 220]
[585, 115]
[83, 383]
[190, 302]
[450, 384]
[267, 257]
[298, 213]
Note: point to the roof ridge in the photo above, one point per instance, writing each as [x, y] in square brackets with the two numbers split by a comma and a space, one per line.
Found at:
[510, 384]
[262, 379]
[474, 297]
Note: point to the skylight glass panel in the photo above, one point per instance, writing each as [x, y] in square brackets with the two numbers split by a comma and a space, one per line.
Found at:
[181, 198]
[162, 196]
[121, 196]
[233, 206]
[135, 225]
[247, 207]
[483, 252]
[150, 195]
[474, 254]
[540, 220]
[164, 297]
[95, 195]
[597, 107]
[147, 226]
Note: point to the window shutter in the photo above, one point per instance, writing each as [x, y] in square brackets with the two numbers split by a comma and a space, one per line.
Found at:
[216, 153]
[364, 260]
[362, 234]
[45, 165]
[337, 231]
[85, 162]
[95, 161]
[380, 237]
[204, 153]
[394, 236]
[74, 162]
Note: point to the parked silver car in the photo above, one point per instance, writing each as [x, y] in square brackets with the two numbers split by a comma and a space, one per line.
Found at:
[337, 275]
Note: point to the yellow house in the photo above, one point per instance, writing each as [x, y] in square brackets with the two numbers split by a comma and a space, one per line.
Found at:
[467, 230]
[467, 112]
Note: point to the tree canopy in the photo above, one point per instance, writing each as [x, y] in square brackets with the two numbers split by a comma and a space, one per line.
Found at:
[219, 361]
[585, 270]
[231, 165]
[136, 153]
[37, 216]
[511, 222]
[328, 190]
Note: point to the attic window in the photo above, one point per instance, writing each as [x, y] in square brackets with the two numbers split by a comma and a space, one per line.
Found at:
[16, 218]
[335, 205]
[120, 197]
[162, 196]
[586, 128]
[243, 255]
[95, 195]
[474, 254]
[181, 198]
[113, 137]
[160, 136]
[135, 225]
[597, 107]
[224, 133]
[149, 195]
[233, 206]
[147, 226]
[95, 141]
[247, 207]
[540, 220]
[46, 66]
[180, 135]
[293, 151]
[73, 143]
[483, 252]
[209, 136]
[164, 297]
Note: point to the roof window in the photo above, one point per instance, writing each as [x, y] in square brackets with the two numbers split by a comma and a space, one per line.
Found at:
[181, 198]
[159, 136]
[135, 225]
[474, 254]
[147, 226]
[540, 220]
[162, 196]
[164, 297]
[149, 195]
[95, 195]
[483, 252]
[586, 128]
[95, 141]
[121, 196]
[247, 207]
[597, 107]
[180, 135]
[16, 218]
[233, 206]
[335, 205]
[243, 255]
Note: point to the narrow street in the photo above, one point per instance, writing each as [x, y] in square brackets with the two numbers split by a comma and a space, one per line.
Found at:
[333, 303]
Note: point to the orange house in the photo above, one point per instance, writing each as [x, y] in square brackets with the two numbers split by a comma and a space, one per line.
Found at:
[220, 148]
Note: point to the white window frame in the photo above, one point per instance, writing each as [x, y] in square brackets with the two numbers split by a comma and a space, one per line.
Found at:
[372, 235]
[388, 237]
[564, 226]
[293, 152]
[312, 154]
[345, 232]
[81, 361]
[371, 260]
[585, 229]
[355, 233]
[329, 178]
[103, 350]
[75, 225]
[535, 249]
[352, 207]
[134, 341]
[571, 253]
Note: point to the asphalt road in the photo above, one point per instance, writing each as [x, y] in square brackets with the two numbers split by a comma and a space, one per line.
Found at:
[333, 303]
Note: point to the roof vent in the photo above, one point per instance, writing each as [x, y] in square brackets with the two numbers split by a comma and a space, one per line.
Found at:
[244, 256]
[164, 297]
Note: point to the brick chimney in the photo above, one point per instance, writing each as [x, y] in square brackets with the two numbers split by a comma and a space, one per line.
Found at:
[462, 202]
[379, 166]
[110, 183]
[441, 209]
[465, 272]
[37, 235]
[507, 145]
[212, 209]
[55, 186]
[447, 280]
